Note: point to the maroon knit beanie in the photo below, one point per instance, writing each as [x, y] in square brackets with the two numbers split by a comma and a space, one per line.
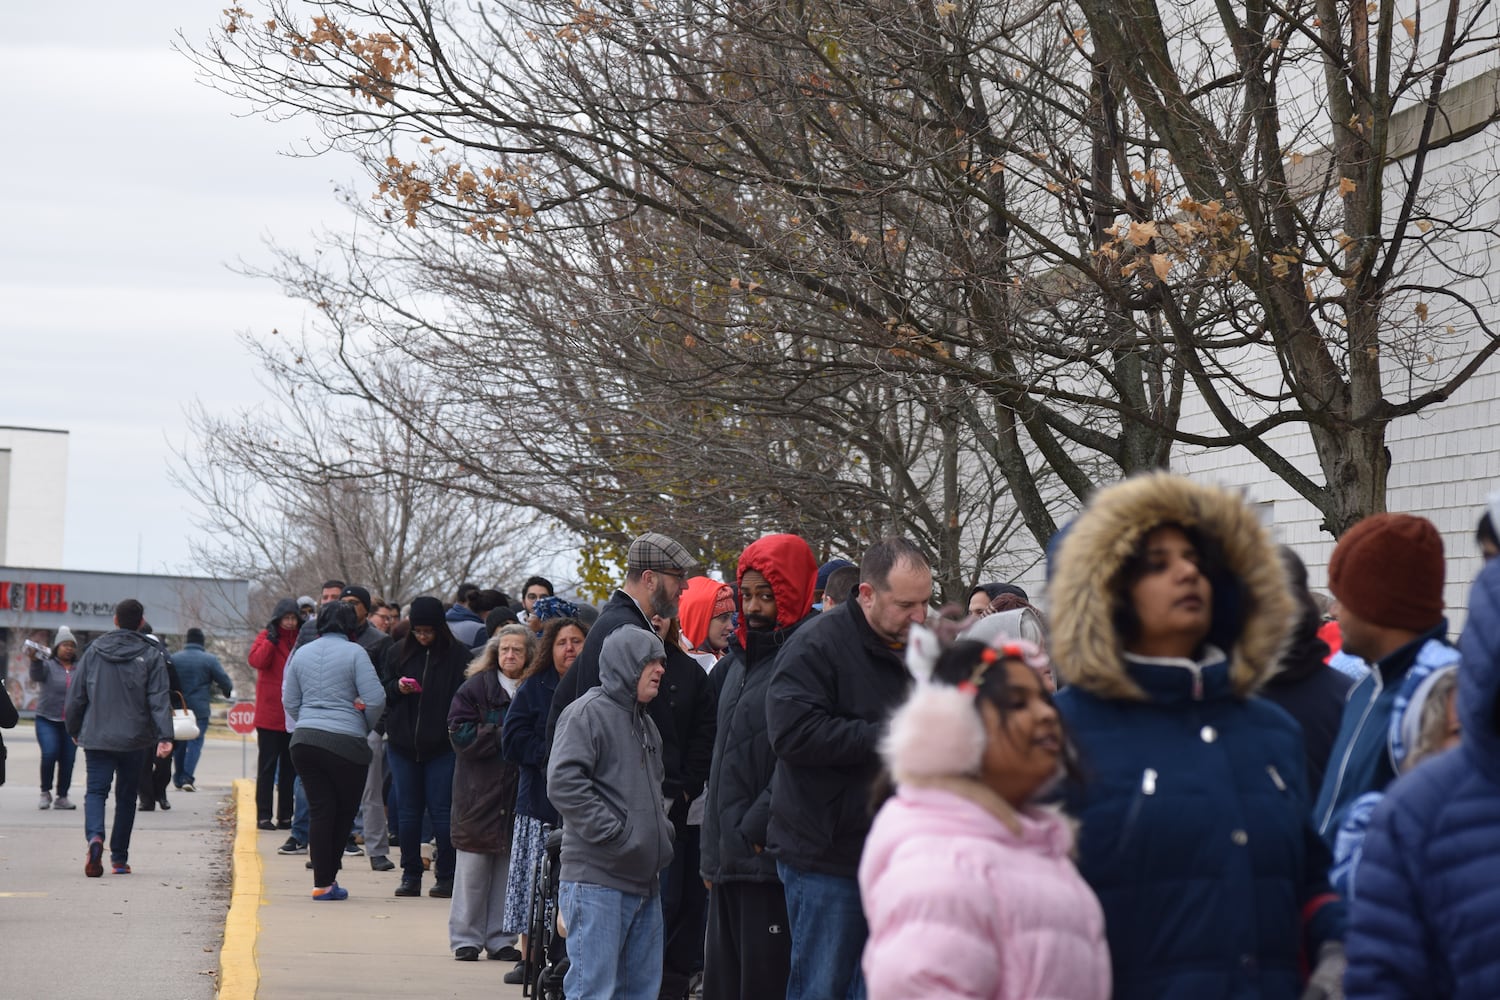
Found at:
[1388, 569]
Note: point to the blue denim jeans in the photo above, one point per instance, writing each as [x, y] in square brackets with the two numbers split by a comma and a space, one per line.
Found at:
[828, 935]
[301, 814]
[614, 943]
[58, 752]
[185, 754]
[121, 768]
[426, 788]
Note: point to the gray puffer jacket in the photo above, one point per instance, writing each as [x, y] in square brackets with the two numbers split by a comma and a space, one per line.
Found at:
[118, 698]
[51, 675]
[605, 775]
[323, 682]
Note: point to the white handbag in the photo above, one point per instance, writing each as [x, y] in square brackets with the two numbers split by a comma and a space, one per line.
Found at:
[184, 723]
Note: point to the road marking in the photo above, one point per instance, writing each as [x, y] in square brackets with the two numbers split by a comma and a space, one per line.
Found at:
[23, 895]
[239, 978]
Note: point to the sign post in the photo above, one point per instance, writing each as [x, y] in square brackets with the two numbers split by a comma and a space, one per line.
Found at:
[241, 720]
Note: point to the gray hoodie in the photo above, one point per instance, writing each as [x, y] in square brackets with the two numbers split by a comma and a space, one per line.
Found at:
[118, 697]
[606, 772]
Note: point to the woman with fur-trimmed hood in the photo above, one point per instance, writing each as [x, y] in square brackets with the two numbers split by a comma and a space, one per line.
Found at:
[1170, 610]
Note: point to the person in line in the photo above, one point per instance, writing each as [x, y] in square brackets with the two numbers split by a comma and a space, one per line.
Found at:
[274, 774]
[523, 742]
[374, 827]
[52, 674]
[833, 689]
[535, 588]
[841, 584]
[748, 951]
[706, 613]
[9, 716]
[982, 597]
[1387, 573]
[156, 772]
[967, 882]
[1170, 607]
[1424, 920]
[684, 713]
[332, 698]
[484, 798]
[1304, 685]
[198, 671]
[117, 710]
[421, 676]
[825, 573]
[605, 777]
[656, 570]
[463, 618]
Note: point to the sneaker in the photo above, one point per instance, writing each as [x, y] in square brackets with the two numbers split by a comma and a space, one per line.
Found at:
[119, 868]
[510, 953]
[410, 886]
[352, 848]
[164, 803]
[187, 786]
[468, 953]
[94, 866]
[382, 864]
[516, 976]
[292, 846]
[61, 802]
[45, 802]
[333, 892]
[266, 824]
[442, 890]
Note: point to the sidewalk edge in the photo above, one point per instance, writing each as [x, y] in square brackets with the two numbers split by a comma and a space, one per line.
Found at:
[239, 978]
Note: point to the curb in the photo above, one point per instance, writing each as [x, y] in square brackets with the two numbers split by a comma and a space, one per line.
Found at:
[239, 978]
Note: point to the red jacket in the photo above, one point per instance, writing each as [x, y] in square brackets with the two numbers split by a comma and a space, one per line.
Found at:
[269, 657]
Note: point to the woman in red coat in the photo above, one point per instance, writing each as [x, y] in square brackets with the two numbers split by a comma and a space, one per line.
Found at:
[268, 655]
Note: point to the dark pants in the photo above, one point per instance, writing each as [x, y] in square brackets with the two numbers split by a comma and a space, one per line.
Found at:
[426, 788]
[684, 907]
[274, 772]
[58, 752]
[333, 786]
[121, 768]
[156, 775]
[749, 950]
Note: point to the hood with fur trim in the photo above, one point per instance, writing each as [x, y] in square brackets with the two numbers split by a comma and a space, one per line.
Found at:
[788, 565]
[1253, 609]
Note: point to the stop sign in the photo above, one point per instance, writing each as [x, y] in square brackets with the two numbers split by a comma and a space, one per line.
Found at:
[242, 717]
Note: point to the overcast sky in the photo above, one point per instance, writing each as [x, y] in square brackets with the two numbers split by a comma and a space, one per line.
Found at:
[128, 190]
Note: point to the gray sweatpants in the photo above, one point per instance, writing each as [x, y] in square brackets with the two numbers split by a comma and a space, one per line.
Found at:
[372, 804]
[478, 909]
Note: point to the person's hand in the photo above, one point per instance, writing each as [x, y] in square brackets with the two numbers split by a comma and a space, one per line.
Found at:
[359, 703]
[408, 685]
[1327, 980]
[164, 748]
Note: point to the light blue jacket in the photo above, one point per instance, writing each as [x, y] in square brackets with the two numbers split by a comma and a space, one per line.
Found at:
[322, 682]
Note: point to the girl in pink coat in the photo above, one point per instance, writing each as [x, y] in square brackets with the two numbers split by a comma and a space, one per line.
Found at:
[968, 887]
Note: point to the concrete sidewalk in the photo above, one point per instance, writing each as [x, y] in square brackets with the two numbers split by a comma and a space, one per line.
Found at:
[369, 946]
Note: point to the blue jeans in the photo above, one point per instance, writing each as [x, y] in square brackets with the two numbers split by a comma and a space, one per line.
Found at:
[301, 814]
[614, 943]
[59, 751]
[185, 754]
[122, 768]
[425, 787]
[828, 935]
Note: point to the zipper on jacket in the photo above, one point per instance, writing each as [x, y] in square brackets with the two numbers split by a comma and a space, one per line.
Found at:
[416, 734]
[1276, 777]
[1338, 781]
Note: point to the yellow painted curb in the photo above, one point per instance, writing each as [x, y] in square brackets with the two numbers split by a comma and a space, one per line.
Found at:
[239, 978]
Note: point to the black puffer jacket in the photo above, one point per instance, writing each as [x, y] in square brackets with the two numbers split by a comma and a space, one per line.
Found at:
[417, 724]
[738, 807]
[834, 687]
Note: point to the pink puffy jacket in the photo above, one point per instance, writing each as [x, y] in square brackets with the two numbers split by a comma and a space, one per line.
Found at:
[967, 898]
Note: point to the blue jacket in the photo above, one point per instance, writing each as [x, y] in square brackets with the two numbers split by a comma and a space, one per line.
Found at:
[322, 682]
[198, 671]
[1193, 806]
[523, 741]
[1426, 922]
[1360, 761]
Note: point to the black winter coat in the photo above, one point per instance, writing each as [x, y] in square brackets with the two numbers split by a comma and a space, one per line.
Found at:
[833, 688]
[484, 782]
[737, 809]
[417, 723]
[684, 713]
[1313, 695]
[524, 742]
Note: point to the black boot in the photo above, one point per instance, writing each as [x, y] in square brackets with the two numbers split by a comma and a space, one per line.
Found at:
[145, 805]
[163, 801]
[411, 885]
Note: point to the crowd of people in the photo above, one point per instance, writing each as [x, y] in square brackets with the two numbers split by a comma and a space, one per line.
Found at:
[1190, 777]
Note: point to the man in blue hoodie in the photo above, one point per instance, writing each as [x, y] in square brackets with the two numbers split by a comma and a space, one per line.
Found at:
[605, 779]
[198, 670]
[1387, 574]
[117, 709]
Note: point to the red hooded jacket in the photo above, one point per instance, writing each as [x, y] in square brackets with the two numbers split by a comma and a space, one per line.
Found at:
[790, 568]
[696, 608]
